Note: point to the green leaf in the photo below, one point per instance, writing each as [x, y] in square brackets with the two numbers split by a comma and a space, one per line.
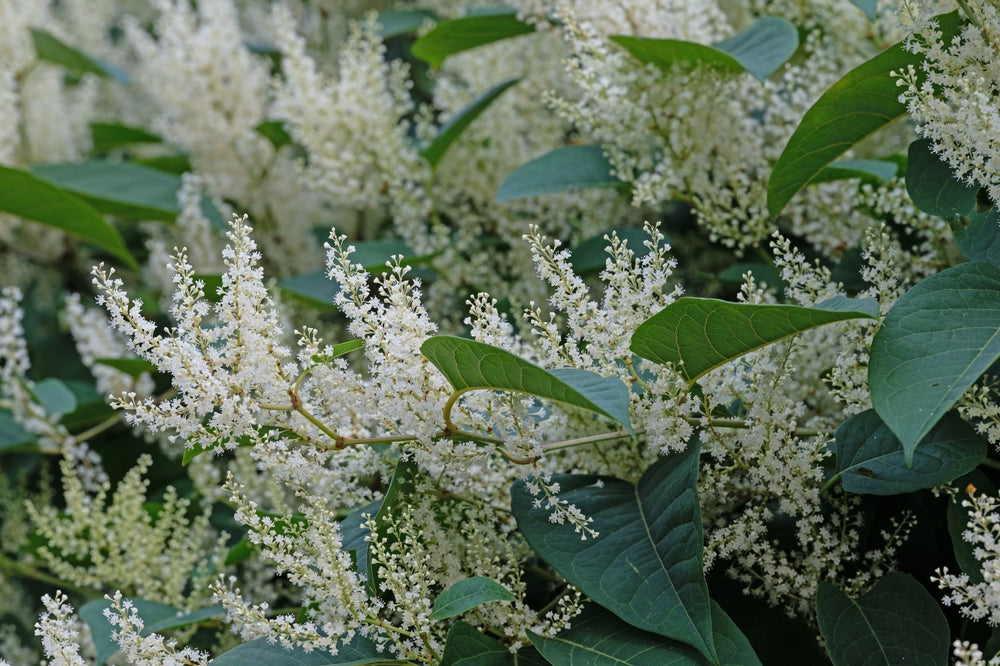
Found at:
[760, 49]
[471, 365]
[645, 564]
[870, 458]
[599, 638]
[565, 169]
[354, 534]
[124, 189]
[590, 255]
[705, 333]
[241, 551]
[312, 288]
[184, 620]
[936, 341]
[275, 132]
[468, 32]
[878, 171]
[867, 6]
[393, 23]
[52, 49]
[92, 613]
[466, 594]
[133, 367]
[55, 396]
[865, 100]
[932, 185]
[453, 129]
[14, 438]
[34, 199]
[108, 136]
[337, 350]
[467, 646]
[399, 493]
[896, 622]
[935, 190]
[259, 652]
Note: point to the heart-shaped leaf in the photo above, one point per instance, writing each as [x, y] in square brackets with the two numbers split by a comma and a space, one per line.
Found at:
[870, 458]
[565, 169]
[704, 333]
[896, 622]
[466, 594]
[471, 365]
[936, 341]
[864, 101]
[645, 565]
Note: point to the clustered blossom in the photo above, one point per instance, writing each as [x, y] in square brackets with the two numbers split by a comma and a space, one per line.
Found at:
[977, 600]
[953, 94]
[127, 631]
[59, 629]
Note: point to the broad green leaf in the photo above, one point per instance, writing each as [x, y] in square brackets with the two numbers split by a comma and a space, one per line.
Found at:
[645, 564]
[471, 365]
[275, 132]
[958, 519]
[133, 367]
[393, 23]
[183, 620]
[119, 188]
[453, 129]
[14, 438]
[896, 622]
[870, 458]
[360, 651]
[704, 333]
[468, 32]
[878, 171]
[590, 255]
[565, 169]
[399, 493]
[865, 100]
[55, 396]
[175, 164]
[313, 288]
[467, 646]
[32, 198]
[466, 594]
[52, 49]
[760, 49]
[241, 551]
[598, 638]
[867, 6]
[935, 190]
[92, 613]
[108, 136]
[775, 637]
[936, 341]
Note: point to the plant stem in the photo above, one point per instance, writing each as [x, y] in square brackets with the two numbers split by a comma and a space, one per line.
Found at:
[14, 568]
[100, 427]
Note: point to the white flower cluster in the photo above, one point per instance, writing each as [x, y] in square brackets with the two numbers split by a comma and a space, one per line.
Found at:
[977, 600]
[953, 96]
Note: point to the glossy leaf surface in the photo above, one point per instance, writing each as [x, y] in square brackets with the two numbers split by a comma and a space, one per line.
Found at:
[935, 342]
[565, 169]
[645, 564]
[704, 333]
